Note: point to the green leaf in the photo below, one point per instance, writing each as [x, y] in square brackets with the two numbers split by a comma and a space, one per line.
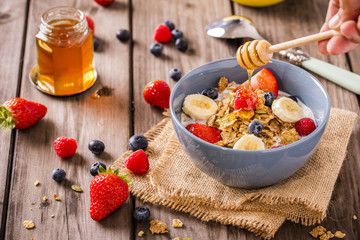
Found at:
[6, 120]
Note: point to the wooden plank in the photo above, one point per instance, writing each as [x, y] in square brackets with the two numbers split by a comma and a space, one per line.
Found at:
[12, 19]
[202, 49]
[287, 21]
[83, 118]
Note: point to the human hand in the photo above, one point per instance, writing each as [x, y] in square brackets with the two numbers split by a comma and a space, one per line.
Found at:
[344, 16]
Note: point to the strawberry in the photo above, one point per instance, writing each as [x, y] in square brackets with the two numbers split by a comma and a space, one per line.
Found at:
[206, 133]
[104, 2]
[157, 93]
[65, 146]
[305, 126]
[162, 34]
[20, 113]
[263, 80]
[137, 162]
[91, 24]
[246, 99]
[108, 191]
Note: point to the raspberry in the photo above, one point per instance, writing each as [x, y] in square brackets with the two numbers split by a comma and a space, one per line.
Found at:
[137, 162]
[162, 34]
[65, 146]
[305, 126]
[245, 99]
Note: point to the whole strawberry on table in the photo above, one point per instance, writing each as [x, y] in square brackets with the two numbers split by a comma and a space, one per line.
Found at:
[108, 191]
[20, 113]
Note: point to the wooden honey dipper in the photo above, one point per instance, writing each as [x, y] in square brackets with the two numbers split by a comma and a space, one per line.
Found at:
[254, 54]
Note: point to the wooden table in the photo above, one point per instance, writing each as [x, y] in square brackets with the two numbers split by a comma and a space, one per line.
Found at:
[126, 68]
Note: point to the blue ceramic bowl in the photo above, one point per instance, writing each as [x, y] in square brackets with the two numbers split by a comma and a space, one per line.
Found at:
[250, 169]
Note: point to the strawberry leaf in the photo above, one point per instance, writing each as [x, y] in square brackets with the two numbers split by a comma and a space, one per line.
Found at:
[6, 120]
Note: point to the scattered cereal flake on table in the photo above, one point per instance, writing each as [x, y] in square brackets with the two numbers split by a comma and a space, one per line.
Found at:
[45, 198]
[29, 224]
[158, 227]
[339, 234]
[177, 223]
[319, 230]
[326, 236]
[76, 188]
[355, 217]
[57, 198]
[52, 216]
[37, 183]
[32, 239]
[141, 233]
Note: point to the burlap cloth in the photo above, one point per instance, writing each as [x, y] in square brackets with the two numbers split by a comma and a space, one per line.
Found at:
[174, 181]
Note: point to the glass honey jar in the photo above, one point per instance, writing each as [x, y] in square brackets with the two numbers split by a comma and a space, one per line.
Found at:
[65, 53]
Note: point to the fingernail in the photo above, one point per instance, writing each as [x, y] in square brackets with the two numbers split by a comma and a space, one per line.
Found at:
[334, 21]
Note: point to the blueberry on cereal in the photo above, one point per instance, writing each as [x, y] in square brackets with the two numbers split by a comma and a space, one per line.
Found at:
[211, 93]
[269, 98]
[255, 127]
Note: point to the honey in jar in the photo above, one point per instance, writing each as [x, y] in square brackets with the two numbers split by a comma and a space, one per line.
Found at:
[65, 52]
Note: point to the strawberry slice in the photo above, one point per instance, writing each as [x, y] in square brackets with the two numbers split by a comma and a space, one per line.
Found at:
[206, 133]
[263, 80]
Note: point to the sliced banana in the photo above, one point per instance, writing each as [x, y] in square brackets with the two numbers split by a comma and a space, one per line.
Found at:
[249, 142]
[287, 110]
[199, 106]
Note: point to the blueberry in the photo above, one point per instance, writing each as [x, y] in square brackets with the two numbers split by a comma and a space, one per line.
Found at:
[175, 74]
[156, 49]
[176, 34]
[58, 174]
[96, 44]
[123, 35]
[269, 98]
[169, 24]
[211, 93]
[255, 127]
[294, 98]
[141, 214]
[181, 44]
[96, 147]
[95, 167]
[137, 142]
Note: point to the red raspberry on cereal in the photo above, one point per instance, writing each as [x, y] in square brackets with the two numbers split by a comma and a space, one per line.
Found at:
[245, 99]
[305, 126]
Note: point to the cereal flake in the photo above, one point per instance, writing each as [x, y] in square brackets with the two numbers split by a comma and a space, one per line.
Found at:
[141, 233]
[355, 217]
[29, 224]
[37, 183]
[177, 223]
[339, 234]
[319, 230]
[57, 198]
[158, 227]
[52, 216]
[45, 198]
[326, 236]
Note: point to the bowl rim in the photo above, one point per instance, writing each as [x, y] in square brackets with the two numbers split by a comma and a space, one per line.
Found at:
[303, 140]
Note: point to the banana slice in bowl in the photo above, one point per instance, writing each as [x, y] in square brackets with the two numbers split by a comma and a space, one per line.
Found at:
[199, 107]
[287, 110]
[249, 142]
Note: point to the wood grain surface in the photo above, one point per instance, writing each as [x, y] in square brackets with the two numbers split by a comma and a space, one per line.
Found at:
[12, 23]
[125, 69]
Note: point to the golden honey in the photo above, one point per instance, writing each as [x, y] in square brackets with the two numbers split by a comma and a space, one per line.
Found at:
[65, 52]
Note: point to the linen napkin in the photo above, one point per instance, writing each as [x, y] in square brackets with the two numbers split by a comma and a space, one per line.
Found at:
[174, 181]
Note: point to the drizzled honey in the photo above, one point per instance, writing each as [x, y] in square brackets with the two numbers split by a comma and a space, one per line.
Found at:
[65, 52]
